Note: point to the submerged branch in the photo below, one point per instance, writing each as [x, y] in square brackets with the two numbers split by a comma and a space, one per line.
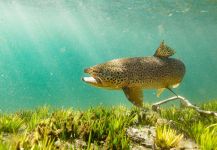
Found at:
[185, 103]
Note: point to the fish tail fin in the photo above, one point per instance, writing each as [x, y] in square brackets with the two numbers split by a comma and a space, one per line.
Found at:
[164, 51]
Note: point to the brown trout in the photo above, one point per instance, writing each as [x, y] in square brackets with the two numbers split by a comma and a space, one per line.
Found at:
[132, 75]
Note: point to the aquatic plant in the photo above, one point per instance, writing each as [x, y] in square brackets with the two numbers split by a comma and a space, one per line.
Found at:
[192, 124]
[207, 137]
[109, 125]
[144, 116]
[45, 144]
[210, 105]
[10, 123]
[4, 146]
[102, 127]
[32, 118]
[167, 138]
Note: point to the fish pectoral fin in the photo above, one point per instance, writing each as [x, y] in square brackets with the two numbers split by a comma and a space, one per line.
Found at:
[160, 91]
[134, 95]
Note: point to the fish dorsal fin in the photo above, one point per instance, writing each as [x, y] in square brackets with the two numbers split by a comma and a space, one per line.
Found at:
[164, 51]
[134, 95]
[160, 91]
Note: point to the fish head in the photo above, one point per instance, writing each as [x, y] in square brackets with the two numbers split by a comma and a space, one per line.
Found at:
[98, 76]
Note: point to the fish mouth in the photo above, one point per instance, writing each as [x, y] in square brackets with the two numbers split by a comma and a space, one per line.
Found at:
[93, 79]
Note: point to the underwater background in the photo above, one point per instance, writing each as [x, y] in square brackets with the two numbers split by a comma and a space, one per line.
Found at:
[46, 44]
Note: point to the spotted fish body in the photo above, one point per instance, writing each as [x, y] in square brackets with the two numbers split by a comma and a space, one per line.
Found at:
[132, 75]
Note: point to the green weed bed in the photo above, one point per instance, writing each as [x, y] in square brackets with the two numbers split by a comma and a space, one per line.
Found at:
[105, 128]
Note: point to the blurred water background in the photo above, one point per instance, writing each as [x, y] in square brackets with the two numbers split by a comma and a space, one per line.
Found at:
[46, 44]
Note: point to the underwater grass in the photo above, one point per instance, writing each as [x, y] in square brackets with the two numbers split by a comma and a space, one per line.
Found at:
[102, 127]
[210, 105]
[167, 137]
[198, 127]
[208, 137]
[10, 123]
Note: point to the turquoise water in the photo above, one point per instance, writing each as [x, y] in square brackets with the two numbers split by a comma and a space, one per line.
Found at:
[46, 44]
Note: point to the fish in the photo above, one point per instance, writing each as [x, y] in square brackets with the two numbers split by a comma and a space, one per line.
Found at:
[133, 75]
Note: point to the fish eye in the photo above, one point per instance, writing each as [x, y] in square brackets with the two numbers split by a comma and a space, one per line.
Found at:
[94, 71]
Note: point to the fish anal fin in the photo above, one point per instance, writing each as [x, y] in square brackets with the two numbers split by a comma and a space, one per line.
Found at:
[134, 95]
[164, 51]
[160, 91]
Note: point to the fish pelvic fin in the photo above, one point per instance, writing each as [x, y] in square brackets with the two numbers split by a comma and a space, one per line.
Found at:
[160, 91]
[164, 51]
[175, 85]
[134, 95]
